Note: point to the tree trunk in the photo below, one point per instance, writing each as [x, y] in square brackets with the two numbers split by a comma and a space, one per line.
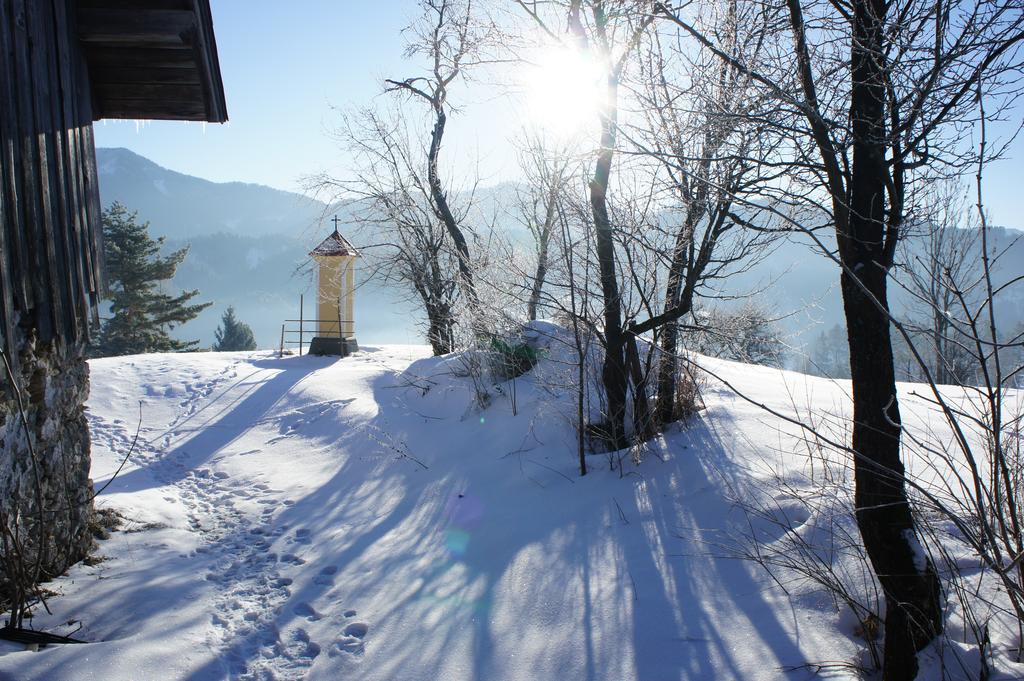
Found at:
[540, 275]
[613, 371]
[668, 363]
[682, 276]
[913, 608]
[668, 368]
[941, 375]
[913, 616]
[440, 330]
[444, 211]
[543, 243]
[643, 423]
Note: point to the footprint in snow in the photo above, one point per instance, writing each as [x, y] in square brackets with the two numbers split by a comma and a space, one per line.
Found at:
[298, 419]
[350, 645]
[311, 648]
[785, 515]
[308, 611]
[326, 576]
[357, 629]
[351, 641]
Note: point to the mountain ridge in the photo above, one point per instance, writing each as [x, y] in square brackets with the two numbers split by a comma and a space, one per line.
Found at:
[156, 193]
[250, 243]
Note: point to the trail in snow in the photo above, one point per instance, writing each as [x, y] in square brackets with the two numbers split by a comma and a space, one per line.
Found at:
[250, 558]
[251, 580]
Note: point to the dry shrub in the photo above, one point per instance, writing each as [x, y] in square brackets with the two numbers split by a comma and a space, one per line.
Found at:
[690, 385]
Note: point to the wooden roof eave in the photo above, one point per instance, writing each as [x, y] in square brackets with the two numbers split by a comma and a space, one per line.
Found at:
[152, 59]
[216, 105]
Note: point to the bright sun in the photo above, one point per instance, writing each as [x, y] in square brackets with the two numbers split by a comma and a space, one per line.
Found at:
[565, 91]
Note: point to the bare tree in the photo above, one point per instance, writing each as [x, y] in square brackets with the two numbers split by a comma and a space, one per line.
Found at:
[405, 242]
[979, 488]
[608, 32]
[452, 40]
[577, 307]
[940, 264]
[419, 237]
[878, 88]
[828, 354]
[709, 154]
[746, 334]
[547, 170]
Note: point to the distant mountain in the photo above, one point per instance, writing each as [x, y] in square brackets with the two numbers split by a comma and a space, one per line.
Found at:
[249, 248]
[179, 205]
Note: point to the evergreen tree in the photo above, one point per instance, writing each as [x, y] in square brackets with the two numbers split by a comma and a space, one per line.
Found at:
[141, 314]
[233, 334]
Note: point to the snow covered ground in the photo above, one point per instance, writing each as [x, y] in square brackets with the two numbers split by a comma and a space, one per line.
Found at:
[364, 518]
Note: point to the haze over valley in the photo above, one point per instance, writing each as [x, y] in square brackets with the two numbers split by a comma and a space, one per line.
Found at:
[249, 249]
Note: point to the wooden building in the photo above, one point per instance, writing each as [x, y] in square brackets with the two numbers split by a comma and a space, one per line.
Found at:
[65, 64]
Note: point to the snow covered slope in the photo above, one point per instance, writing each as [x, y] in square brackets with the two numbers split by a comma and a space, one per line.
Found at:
[363, 518]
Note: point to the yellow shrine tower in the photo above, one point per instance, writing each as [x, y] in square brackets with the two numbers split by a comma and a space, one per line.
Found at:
[335, 284]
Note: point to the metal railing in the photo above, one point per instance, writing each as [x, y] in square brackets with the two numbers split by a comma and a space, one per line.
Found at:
[300, 332]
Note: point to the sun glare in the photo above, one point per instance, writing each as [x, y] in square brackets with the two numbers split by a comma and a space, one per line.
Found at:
[565, 91]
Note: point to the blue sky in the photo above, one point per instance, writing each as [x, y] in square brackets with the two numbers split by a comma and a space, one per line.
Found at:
[286, 65]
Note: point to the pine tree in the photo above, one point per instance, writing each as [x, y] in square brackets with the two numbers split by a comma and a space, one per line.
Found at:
[141, 314]
[233, 334]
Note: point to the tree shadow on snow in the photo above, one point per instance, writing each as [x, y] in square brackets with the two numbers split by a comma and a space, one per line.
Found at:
[473, 569]
[217, 422]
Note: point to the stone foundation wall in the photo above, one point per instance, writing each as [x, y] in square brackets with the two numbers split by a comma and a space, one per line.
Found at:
[54, 383]
[50, 280]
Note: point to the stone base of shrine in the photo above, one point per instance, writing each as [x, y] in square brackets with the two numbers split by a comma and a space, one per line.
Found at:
[332, 345]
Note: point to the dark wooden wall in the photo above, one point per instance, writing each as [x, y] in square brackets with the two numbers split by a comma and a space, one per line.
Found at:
[49, 199]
